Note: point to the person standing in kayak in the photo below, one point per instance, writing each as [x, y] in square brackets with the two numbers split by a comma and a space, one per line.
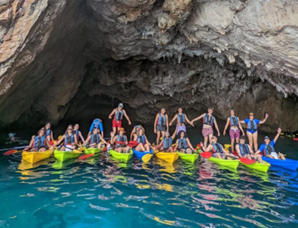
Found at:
[39, 142]
[252, 130]
[95, 139]
[216, 148]
[161, 124]
[267, 148]
[118, 113]
[120, 141]
[181, 121]
[97, 123]
[142, 141]
[235, 128]
[183, 144]
[49, 132]
[78, 133]
[166, 144]
[70, 140]
[208, 122]
[244, 151]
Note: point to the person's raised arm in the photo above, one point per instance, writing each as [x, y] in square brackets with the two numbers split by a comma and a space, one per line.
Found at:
[91, 128]
[174, 118]
[111, 114]
[264, 120]
[177, 144]
[101, 128]
[155, 123]
[242, 122]
[188, 121]
[30, 144]
[241, 129]
[226, 127]
[189, 144]
[216, 126]
[167, 122]
[126, 116]
[277, 135]
[196, 119]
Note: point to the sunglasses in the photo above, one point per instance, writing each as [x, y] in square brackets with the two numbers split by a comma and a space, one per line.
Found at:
[69, 129]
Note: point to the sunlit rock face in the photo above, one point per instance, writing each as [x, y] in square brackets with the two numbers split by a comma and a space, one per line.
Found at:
[76, 59]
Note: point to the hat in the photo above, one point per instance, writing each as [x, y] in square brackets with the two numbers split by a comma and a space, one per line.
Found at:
[242, 137]
[266, 137]
[121, 129]
[120, 105]
[251, 114]
[11, 135]
[167, 133]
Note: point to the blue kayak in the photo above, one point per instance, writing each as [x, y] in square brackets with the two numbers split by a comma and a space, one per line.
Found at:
[140, 154]
[286, 164]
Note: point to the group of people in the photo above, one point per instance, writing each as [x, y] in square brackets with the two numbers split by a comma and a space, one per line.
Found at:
[73, 138]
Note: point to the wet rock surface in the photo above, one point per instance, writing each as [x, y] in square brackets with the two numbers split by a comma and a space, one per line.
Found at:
[76, 59]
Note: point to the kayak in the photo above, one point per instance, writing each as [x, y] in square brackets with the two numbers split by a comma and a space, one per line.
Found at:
[92, 151]
[62, 164]
[287, 164]
[66, 155]
[33, 157]
[167, 156]
[263, 167]
[121, 156]
[233, 164]
[188, 157]
[140, 154]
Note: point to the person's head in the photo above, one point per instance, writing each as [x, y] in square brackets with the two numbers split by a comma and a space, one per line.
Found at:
[214, 139]
[232, 112]
[210, 110]
[69, 129]
[76, 127]
[251, 116]
[95, 130]
[12, 136]
[163, 111]
[121, 131]
[167, 134]
[41, 132]
[141, 131]
[267, 140]
[48, 125]
[242, 140]
[180, 110]
[181, 134]
[120, 106]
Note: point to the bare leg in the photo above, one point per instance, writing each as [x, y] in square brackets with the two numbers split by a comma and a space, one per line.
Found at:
[62, 148]
[33, 150]
[157, 137]
[119, 149]
[255, 140]
[250, 140]
[162, 135]
[170, 149]
[42, 149]
[232, 144]
[147, 147]
[140, 147]
[114, 130]
[205, 141]
[282, 156]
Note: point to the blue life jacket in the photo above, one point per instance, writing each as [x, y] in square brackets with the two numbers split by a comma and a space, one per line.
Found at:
[94, 139]
[48, 132]
[161, 120]
[244, 149]
[180, 118]
[268, 149]
[121, 139]
[69, 139]
[252, 125]
[182, 143]
[208, 121]
[234, 121]
[141, 139]
[39, 142]
[217, 148]
[118, 115]
[77, 134]
[167, 142]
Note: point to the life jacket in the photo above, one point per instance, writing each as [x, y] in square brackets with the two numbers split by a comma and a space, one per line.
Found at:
[121, 139]
[217, 148]
[48, 132]
[161, 120]
[77, 134]
[141, 139]
[244, 149]
[208, 121]
[69, 139]
[118, 115]
[182, 143]
[252, 125]
[94, 139]
[234, 121]
[167, 142]
[180, 118]
[268, 149]
[39, 142]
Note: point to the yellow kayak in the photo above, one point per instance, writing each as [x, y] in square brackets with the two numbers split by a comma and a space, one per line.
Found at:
[33, 157]
[167, 156]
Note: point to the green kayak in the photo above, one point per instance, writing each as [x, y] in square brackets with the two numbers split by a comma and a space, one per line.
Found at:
[92, 151]
[121, 156]
[188, 157]
[66, 155]
[258, 166]
[233, 164]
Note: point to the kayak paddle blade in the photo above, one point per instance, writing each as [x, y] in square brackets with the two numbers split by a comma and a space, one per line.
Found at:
[247, 161]
[146, 158]
[86, 156]
[206, 155]
[10, 152]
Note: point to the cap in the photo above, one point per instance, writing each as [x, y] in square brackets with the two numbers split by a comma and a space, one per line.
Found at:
[120, 105]
[266, 137]
[11, 134]
[251, 113]
[242, 137]
[121, 129]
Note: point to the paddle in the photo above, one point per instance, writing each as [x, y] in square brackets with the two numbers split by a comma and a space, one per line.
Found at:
[11, 152]
[86, 156]
[14, 148]
[147, 157]
[247, 161]
[206, 155]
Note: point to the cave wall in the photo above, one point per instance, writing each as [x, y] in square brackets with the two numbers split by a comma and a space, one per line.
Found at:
[73, 59]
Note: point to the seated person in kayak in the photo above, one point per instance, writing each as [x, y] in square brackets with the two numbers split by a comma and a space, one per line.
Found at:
[49, 132]
[182, 119]
[95, 140]
[267, 148]
[183, 144]
[134, 131]
[216, 148]
[166, 144]
[98, 124]
[39, 142]
[78, 133]
[120, 141]
[70, 140]
[244, 151]
[141, 141]
[161, 124]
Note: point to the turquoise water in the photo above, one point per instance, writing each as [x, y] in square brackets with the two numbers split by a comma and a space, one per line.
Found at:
[100, 192]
